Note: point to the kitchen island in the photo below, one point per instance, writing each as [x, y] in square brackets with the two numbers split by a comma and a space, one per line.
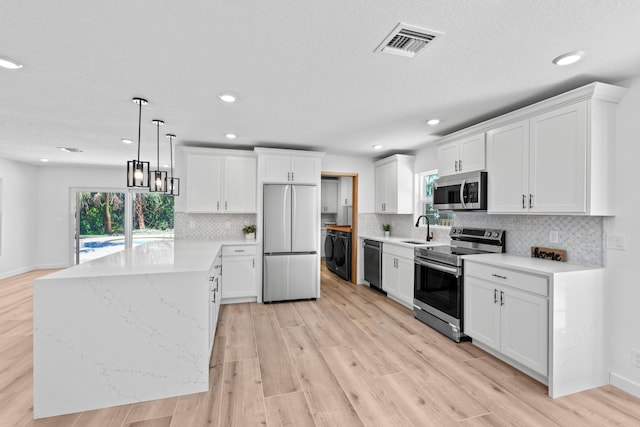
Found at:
[131, 326]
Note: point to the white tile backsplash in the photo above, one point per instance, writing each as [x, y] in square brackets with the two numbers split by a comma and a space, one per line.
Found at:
[211, 226]
[581, 237]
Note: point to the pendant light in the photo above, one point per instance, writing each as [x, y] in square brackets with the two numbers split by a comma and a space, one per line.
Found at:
[137, 171]
[159, 178]
[172, 185]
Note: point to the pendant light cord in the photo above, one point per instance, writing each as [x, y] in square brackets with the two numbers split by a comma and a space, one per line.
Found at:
[158, 143]
[171, 155]
[139, 126]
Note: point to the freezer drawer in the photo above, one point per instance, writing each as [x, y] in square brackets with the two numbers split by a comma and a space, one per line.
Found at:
[290, 277]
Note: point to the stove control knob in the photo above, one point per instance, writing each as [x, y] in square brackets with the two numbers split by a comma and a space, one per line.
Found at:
[487, 234]
[495, 234]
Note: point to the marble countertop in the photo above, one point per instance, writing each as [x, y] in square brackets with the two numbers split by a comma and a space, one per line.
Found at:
[399, 241]
[151, 258]
[528, 264]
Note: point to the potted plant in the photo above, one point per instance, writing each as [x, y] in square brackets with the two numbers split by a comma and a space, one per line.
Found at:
[387, 229]
[249, 232]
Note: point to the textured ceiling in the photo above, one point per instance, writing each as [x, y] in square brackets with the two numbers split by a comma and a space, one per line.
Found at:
[305, 72]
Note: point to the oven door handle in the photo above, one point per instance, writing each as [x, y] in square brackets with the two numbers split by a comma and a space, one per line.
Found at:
[443, 268]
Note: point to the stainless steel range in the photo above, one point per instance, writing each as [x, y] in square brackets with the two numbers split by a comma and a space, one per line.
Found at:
[438, 299]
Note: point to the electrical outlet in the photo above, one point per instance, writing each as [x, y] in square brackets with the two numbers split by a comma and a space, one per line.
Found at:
[553, 236]
[227, 225]
[635, 357]
[192, 224]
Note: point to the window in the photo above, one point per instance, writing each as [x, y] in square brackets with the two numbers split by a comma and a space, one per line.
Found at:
[425, 200]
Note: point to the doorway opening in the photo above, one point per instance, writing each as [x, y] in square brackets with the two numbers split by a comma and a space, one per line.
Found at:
[108, 221]
[345, 214]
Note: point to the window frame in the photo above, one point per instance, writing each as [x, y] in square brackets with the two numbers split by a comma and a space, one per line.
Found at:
[421, 201]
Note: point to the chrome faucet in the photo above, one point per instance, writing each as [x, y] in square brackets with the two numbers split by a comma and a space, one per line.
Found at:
[429, 235]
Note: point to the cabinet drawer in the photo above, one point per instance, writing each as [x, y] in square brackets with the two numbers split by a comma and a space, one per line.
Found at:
[523, 281]
[238, 250]
[389, 248]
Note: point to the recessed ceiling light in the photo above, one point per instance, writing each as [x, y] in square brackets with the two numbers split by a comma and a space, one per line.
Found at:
[126, 141]
[377, 147]
[433, 122]
[9, 63]
[231, 135]
[70, 149]
[227, 97]
[568, 58]
[44, 160]
[165, 166]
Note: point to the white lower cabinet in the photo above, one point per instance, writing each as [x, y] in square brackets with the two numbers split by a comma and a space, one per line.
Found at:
[398, 273]
[239, 272]
[507, 311]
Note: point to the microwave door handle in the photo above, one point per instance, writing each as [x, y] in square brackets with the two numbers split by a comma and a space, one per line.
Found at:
[462, 190]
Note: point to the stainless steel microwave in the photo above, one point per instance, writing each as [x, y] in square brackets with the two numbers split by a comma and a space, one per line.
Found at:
[465, 191]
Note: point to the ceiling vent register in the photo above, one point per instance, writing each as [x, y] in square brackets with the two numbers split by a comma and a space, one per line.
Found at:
[407, 40]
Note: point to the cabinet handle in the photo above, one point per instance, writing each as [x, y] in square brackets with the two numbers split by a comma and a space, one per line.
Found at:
[238, 250]
[523, 206]
[211, 279]
[498, 276]
[218, 205]
[530, 201]
[254, 263]
[459, 165]
[456, 166]
[495, 296]
[225, 205]
[292, 178]
[501, 298]
[345, 201]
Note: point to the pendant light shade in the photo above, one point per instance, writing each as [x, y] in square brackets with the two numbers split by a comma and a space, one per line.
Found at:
[137, 171]
[172, 185]
[158, 177]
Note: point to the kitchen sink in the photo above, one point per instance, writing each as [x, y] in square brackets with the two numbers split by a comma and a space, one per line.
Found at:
[415, 242]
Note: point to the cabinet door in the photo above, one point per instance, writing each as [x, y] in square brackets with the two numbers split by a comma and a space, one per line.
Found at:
[380, 188]
[346, 190]
[482, 311]
[240, 184]
[508, 168]
[305, 170]
[524, 330]
[389, 274]
[405, 280]
[391, 179]
[472, 154]
[276, 169]
[558, 160]
[448, 156]
[204, 189]
[239, 277]
[329, 196]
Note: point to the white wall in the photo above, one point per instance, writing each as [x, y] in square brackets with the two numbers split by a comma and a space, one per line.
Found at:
[19, 217]
[54, 206]
[366, 177]
[622, 283]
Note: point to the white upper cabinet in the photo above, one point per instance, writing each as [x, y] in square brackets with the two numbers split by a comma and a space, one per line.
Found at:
[329, 196]
[394, 185]
[218, 183]
[346, 191]
[462, 155]
[556, 156]
[284, 168]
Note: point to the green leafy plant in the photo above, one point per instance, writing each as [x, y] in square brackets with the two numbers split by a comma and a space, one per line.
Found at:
[386, 227]
[248, 229]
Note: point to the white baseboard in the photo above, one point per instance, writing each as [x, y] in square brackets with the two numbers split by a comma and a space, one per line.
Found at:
[11, 273]
[5, 274]
[625, 384]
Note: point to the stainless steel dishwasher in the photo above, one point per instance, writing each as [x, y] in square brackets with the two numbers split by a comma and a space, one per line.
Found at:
[373, 264]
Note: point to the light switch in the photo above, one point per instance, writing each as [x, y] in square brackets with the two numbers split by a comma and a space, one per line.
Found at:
[617, 241]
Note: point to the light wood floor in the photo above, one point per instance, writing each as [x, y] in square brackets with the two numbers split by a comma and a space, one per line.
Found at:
[351, 358]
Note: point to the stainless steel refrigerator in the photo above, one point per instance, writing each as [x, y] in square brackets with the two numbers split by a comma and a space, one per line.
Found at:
[290, 242]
